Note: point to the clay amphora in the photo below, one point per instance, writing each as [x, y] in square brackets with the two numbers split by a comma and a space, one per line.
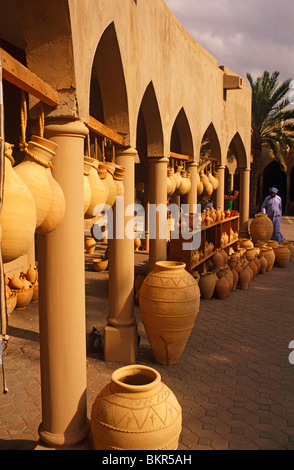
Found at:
[263, 264]
[171, 182]
[18, 214]
[218, 260]
[244, 279]
[32, 274]
[98, 193]
[137, 243]
[269, 255]
[225, 256]
[24, 297]
[136, 411]
[250, 253]
[179, 178]
[184, 186]
[169, 303]
[212, 180]
[282, 256]
[218, 214]
[222, 288]
[206, 284]
[216, 177]
[261, 228]
[32, 170]
[229, 276]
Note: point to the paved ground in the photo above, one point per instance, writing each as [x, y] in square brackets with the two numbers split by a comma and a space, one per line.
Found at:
[234, 381]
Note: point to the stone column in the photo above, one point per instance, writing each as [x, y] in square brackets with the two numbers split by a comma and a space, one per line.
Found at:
[192, 195]
[158, 195]
[62, 299]
[121, 335]
[244, 198]
[221, 189]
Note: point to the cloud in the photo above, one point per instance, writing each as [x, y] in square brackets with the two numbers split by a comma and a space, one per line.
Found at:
[250, 36]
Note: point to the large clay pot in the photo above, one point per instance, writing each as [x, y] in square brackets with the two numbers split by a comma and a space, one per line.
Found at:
[98, 193]
[184, 186]
[136, 411]
[222, 288]
[236, 278]
[178, 178]
[261, 228]
[228, 275]
[282, 256]
[32, 170]
[18, 214]
[269, 255]
[212, 180]
[258, 263]
[56, 209]
[206, 284]
[244, 279]
[253, 266]
[169, 303]
[250, 253]
[87, 187]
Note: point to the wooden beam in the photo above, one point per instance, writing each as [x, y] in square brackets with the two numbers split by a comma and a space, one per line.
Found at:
[17, 74]
[98, 128]
[179, 156]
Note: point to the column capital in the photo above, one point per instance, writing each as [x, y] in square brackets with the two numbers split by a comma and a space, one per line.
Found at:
[221, 167]
[158, 159]
[65, 127]
[245, 169]
[130, 151]
[193, 164]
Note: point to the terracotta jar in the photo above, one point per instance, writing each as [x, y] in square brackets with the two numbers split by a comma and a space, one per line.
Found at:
[213, 181]
[90, 245]
[118, 177]
[236, 278]
[222, 288]
[228, 275]
[261, 228]
[216, 177]
[137, 243]
[225, 256]
[263, 264]
[169, 303]
[136, 411]
[206, 284]
[111, 185]
[250, 253]
[171, 182]
[98, 193]
[270, 256]
[184, 186]
[282, 256]
[32, 274]
[24, 297]
[272, 244]
[258, 264]
[18, 214]
[102, 172]
[244, 278]
[218, 260]
[200, 186]
[56, 209]
[253, 266]
[87, 187]
[246, 243]
[32, 170]
[290, 246]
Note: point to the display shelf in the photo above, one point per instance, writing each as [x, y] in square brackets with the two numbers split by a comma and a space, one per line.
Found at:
[210, 234]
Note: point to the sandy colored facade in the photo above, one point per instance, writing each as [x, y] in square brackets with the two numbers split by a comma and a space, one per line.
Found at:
[131, 65]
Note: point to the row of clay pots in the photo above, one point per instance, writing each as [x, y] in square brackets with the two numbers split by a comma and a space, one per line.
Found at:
[21, 290]
[178, 182]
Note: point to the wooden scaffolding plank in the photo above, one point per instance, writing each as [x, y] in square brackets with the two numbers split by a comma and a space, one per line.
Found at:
[179, 156]
[98, 128]
[17, 74]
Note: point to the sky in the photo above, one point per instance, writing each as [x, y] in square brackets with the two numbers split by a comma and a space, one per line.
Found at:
[247, 36]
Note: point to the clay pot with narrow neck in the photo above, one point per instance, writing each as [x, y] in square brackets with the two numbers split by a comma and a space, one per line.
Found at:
[171, 182]
[98, 193]
[290, 247]
[111, 185]
[136, 411]
[57, 207]
[218, 260]
[169, 304]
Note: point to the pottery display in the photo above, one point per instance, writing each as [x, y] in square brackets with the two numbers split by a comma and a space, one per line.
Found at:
[283, 255]
[169, 303]
[206, 284]
[269, 255]
[90, 245]
[136, 411]
[56, 209]
[98, 193]
[33, 171]
[18, 211]
[100, 264]
[261, 228]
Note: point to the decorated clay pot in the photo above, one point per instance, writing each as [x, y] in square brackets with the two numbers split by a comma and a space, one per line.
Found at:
[269, 255]
[136, 411]
[98, 193]
[206, 284]
[32, 170]
[282, 256]
[90, 245]
[169, 303]
[56, 209]
[18, 214]
[261, 228]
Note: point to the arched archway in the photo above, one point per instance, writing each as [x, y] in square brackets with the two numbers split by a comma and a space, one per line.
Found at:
[274, 176]
[181, 136]
[210, 145]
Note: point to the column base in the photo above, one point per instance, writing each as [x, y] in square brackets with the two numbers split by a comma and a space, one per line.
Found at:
[77, 440]
[121, 344]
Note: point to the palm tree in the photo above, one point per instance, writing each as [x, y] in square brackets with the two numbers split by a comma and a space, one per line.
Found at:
[272, 125]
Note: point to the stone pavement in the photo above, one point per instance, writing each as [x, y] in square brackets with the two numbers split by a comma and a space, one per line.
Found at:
[234, 380]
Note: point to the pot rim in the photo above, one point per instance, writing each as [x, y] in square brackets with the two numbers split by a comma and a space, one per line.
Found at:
[170, 264]
[132, 371]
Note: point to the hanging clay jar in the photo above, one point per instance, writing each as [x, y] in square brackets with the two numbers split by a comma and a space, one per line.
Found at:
[261, 228]
[222, 288]
[200, 186]
[206, 284]
[244, 279]
[18, 214]
[183, 188]
[188, 176]
[179, 178]
[32, 170]
[269, 255]
[118, 177]
[263, 264]
[102, 172]
[57, 207]
[213, 181]
[111, 185]
[98, 193]
[171, 182]
[136, 411]
[169, 303]
[87, 187]
[282, 256]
